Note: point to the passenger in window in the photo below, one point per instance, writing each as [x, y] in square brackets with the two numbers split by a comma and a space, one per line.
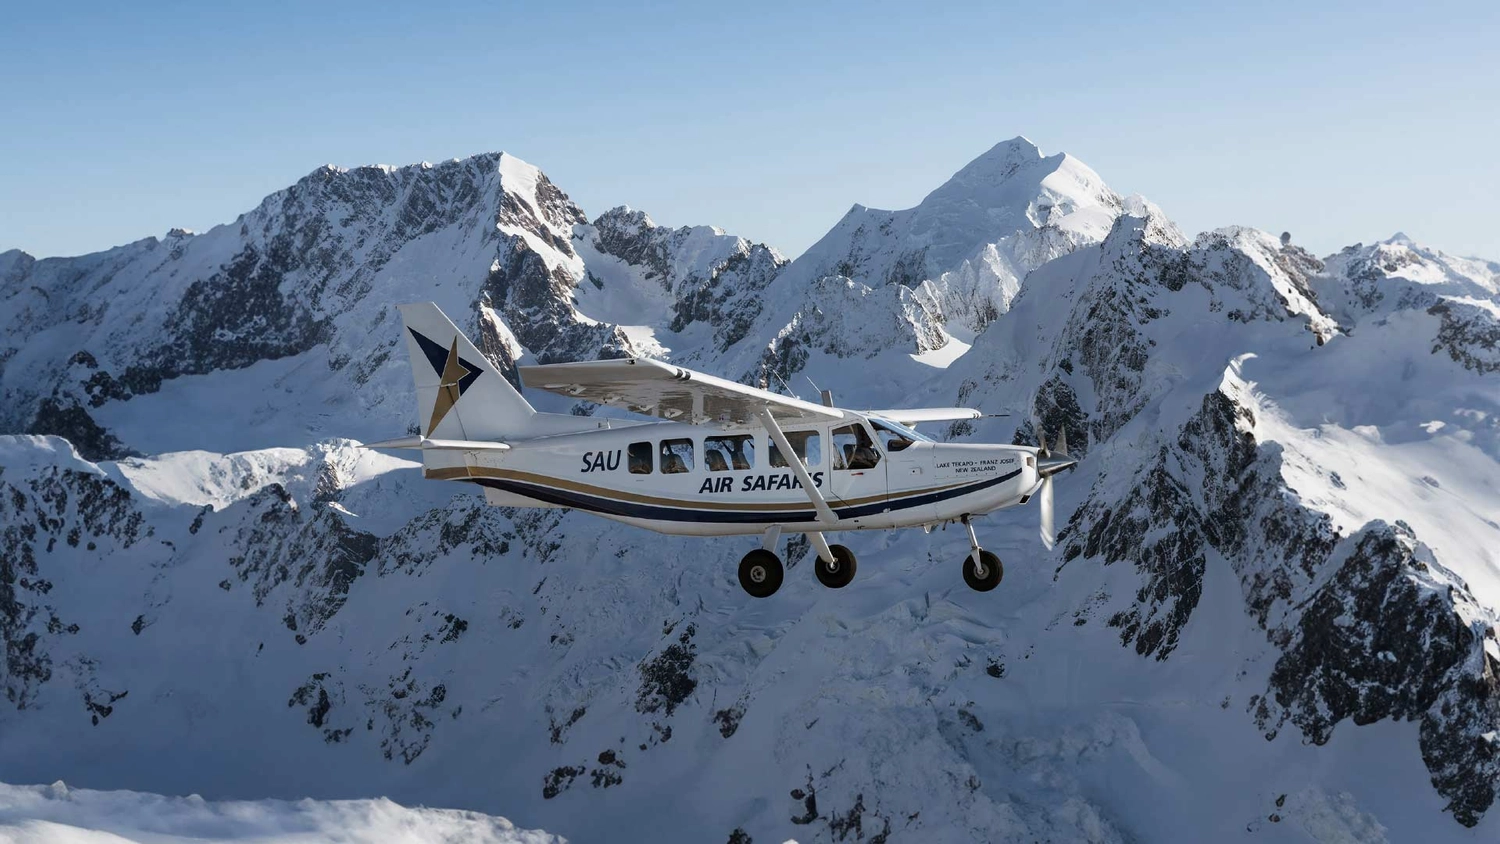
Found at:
[676, 456]
[742, 453]
[853, 448]
[639, 458]
[720, 453]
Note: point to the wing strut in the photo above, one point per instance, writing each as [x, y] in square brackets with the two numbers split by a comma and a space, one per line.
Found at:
[824, 511]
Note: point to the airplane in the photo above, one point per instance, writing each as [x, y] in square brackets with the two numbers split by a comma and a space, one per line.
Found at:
[717, 458]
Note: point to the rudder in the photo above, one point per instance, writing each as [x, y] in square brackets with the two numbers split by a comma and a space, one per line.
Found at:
[460, 395]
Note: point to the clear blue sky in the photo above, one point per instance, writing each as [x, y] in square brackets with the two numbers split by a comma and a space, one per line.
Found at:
[1341, 122]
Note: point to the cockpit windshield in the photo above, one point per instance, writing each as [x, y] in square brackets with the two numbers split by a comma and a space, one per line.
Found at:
[894, 436]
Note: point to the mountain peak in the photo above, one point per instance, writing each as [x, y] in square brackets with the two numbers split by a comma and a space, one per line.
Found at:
[1013, 179]
[996, 166]
[1019, 148]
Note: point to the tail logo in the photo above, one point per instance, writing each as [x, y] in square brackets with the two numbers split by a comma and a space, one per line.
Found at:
[457, 375]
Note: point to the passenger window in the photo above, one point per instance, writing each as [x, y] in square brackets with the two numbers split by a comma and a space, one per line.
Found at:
[676, 456]
[720, 454]
[853, 448]
[639, 458]
[806, 444]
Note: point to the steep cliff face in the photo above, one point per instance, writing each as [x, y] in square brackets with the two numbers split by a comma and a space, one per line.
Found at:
[1278, 547]
[711, 282]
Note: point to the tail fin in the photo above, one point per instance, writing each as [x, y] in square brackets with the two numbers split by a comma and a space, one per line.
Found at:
[460, 396]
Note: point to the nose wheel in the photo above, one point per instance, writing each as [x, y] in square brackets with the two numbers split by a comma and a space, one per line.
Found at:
[985, 574]
[760, 573]
[982, 569]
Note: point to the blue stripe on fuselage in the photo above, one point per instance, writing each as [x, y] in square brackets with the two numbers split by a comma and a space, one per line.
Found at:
[610, 506]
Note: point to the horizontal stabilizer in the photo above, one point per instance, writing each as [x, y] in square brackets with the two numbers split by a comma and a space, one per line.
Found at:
[425, 444]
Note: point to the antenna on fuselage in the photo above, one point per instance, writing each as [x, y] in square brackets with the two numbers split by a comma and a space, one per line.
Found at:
[785, 385]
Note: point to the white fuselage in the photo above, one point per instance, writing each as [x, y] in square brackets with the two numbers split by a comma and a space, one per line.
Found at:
[705, 480]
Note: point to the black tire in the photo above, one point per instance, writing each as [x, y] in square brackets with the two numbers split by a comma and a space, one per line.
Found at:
[841, 572]
[760, 573]
[993, 572]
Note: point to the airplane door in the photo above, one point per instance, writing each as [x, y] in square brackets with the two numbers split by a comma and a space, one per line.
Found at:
[908, 472]
[858, 481]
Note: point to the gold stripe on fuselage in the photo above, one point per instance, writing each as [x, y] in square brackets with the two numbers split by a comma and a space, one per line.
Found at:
[464, 472]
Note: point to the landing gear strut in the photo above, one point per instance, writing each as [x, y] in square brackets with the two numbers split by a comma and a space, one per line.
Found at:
[982, 569]
[835, 565]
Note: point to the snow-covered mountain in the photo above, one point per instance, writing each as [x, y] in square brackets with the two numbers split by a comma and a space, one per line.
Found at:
[56, 814]
[933, 276]
[1271, 613]
[975, 237]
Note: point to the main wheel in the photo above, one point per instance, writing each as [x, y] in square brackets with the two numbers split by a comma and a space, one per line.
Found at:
[989, 578]
[836, 575]
[760, 573]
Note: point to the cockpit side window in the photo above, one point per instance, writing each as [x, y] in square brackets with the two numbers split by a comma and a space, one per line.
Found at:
[853, 448]
[894, 437]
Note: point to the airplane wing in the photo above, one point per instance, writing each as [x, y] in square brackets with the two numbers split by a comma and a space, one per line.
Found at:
[421, 442]
[913, 415]
[653, 388]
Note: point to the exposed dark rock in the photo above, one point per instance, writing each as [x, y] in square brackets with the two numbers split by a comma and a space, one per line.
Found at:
[808, 797]
[729, 720]
[67, 419]
[1390, 636]
[408, 708]
[55, 502]
[559, 779]
[101, 707]
[666, 679]
[1372, 643]
[1468, 333]
[608, 772]
[536, 302]
[320, 556]
[727, 297]
[559, 728]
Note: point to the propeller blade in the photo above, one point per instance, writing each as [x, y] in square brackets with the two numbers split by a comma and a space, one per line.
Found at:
[1062, 441]
[1049, 538]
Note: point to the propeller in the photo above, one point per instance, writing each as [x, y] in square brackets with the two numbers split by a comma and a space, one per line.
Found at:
[1049, 537]
[1050, 462]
